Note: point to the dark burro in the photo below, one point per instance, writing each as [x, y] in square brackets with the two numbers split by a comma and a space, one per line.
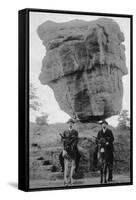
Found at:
[103, 155]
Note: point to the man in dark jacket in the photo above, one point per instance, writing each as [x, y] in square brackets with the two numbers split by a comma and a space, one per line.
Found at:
[70, 139]
[109, 138]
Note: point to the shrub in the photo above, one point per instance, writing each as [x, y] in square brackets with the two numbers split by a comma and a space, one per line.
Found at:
[42, 120]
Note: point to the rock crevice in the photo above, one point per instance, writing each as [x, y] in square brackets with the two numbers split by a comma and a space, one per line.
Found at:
[84, 65]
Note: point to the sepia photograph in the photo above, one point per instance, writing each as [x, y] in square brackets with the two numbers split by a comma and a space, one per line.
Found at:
[80, 125]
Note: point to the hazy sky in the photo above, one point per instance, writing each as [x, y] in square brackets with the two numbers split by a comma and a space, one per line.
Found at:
[37, 52]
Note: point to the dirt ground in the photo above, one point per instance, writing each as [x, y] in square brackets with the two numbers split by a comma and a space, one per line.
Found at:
[84, 181]
[49, 146]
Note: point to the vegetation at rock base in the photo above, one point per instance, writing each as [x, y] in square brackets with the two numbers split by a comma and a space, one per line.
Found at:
[42, 120]
[49, 147]
[34, 103]
[124, 120]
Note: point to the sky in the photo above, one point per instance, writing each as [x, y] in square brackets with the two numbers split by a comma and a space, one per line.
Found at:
[37, 52]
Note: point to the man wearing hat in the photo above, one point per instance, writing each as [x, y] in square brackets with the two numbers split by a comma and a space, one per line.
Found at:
[107, 134]
[71, 136]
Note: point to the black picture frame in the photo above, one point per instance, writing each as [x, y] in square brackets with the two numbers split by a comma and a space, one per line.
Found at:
[23, 136]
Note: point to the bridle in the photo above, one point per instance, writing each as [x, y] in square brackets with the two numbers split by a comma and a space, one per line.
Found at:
[101, 149]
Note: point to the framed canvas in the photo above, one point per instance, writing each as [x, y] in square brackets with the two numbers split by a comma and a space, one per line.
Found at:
[75, 99]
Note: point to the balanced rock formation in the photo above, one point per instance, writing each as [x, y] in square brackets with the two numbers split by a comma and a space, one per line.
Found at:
[84, 65]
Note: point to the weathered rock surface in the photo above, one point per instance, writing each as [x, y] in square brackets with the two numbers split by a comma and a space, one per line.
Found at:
[84, 65]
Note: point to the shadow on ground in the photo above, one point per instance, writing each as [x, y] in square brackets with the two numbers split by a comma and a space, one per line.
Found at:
[13, 184]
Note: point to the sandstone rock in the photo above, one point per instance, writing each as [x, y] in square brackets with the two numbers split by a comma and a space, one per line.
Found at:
[84, 65]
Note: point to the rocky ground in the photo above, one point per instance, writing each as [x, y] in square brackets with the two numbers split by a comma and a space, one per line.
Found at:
[82, 181]
[45, 147]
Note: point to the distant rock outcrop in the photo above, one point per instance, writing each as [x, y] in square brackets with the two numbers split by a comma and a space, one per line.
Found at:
[84, 65]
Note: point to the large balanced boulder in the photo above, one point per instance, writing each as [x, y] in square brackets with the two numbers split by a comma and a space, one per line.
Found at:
[84, 63]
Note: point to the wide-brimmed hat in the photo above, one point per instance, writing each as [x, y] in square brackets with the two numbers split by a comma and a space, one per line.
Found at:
[71, 121]
[104, 122]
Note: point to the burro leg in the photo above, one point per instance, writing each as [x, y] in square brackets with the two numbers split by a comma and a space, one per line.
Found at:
[73, 166]
[101, 171]
[66, 171]
[105, 173]
[110, 177]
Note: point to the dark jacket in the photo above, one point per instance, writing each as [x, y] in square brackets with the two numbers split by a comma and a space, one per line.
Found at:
[70, 137]
[108, 136]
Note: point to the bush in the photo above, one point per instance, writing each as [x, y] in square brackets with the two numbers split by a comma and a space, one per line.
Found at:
[124, 120]
[42, 120]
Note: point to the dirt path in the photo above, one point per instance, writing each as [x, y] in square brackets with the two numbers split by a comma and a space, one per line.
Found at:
[84, 181]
